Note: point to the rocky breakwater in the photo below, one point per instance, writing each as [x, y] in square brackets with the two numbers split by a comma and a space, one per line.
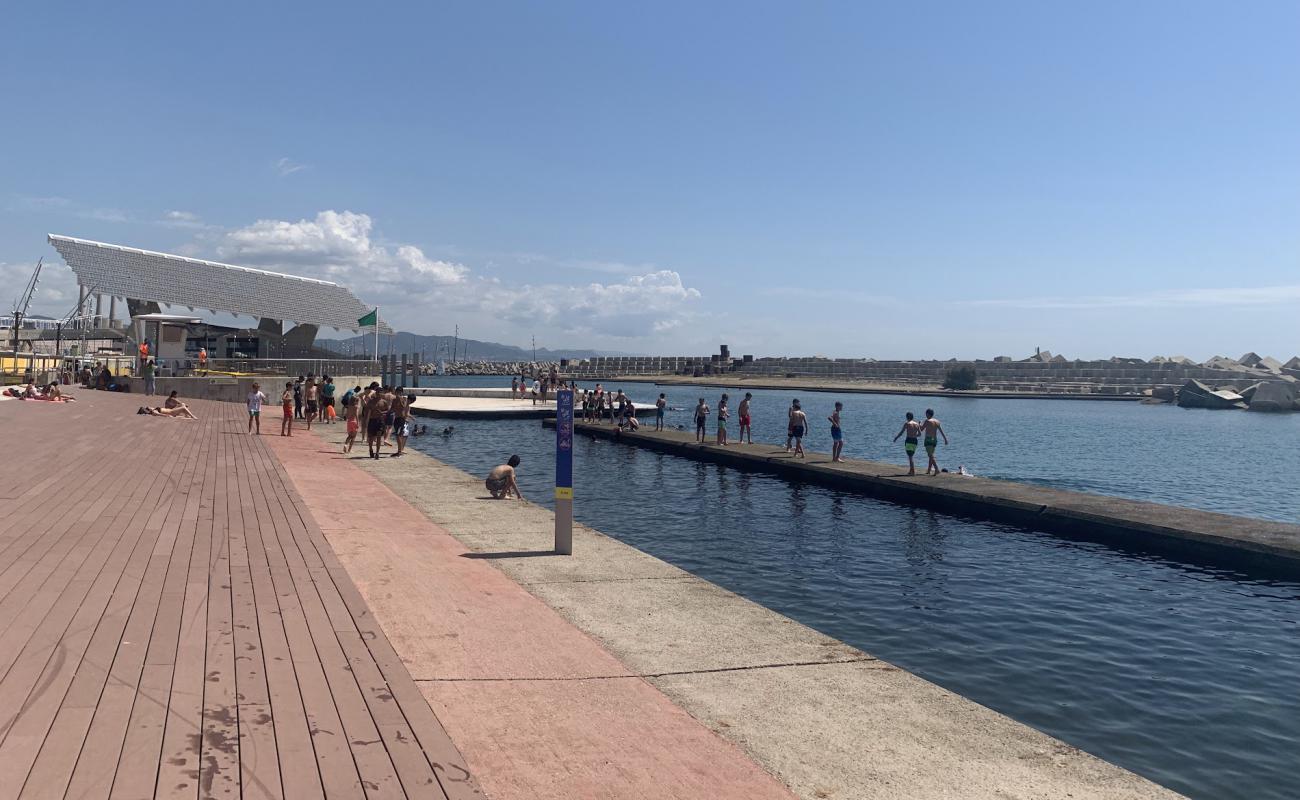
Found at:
[1265, 384]
[528, 368]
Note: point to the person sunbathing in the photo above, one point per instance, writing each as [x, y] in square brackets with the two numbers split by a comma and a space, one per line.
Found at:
[174, 413]
[179, 409]
[54, 394]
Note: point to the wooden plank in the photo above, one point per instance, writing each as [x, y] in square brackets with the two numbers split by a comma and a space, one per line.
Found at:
[85, 670]
[208, 641]
[339, 772]
[219, 775]
[36, 683]
[441, 753]
[139, 766]
[297, 761]
[259, 761]
[180, 766]
[96, 766]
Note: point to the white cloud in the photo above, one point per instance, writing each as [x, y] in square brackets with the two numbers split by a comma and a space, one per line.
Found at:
[285, 167]
[1176, 298]
[182, 220]
[337, 246]
[655, 302]
[56, 292]
[412, 287]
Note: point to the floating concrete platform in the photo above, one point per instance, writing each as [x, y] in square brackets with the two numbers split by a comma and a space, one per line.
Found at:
[1182, 531]
[485, 404]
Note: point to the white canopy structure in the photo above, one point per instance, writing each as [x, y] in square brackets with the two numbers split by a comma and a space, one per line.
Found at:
[114, 270]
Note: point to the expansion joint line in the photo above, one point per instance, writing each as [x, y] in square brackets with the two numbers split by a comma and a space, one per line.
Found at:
[652, 675]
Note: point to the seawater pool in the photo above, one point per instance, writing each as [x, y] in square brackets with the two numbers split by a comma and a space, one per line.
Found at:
[1184, 673]
[1233, 462]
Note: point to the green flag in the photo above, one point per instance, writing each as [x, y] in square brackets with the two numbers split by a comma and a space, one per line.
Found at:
[370, 319]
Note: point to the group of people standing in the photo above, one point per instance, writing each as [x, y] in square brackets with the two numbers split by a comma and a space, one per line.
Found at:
[312, 398]
[597, 405]
[702, 412]
[926, 433]
[381, 411]
[540, 387]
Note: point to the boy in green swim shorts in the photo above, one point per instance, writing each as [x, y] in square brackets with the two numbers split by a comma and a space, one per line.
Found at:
[933, 430]
[913, 430]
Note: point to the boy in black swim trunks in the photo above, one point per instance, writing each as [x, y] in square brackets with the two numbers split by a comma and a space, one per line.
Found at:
[701, 418]
[798, 427]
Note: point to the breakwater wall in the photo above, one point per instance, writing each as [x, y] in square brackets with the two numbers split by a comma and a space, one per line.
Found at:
[1109, 377]
[1171, 529]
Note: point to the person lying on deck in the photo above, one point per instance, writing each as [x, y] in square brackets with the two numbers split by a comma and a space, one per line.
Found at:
[180, 412]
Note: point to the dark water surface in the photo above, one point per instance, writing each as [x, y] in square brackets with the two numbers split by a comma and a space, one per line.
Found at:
[1226, 461]
[1186, 674]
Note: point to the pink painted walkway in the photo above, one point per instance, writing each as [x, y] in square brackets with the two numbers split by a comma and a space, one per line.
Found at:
[537, 708]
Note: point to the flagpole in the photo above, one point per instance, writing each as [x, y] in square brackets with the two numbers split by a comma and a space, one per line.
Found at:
[376, 333]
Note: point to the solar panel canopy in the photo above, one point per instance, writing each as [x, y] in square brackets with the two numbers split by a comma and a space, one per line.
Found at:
[164, 278]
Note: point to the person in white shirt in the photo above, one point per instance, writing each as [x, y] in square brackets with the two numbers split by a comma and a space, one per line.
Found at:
[255, 401]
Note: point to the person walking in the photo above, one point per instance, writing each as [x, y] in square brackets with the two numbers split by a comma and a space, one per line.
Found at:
[837, 433]
[912, 429]
[350, 409]
[723, 414]
[297, 398]
[745, 419]
[933, 430]
[286, 404]
[311, 395]
[255, 400]
[789, 424]
[400, 410]
[148, 371]
[798, 427]
[327, 401]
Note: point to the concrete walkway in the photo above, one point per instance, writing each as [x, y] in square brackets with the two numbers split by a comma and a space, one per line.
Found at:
[539, 708]
[542, 710]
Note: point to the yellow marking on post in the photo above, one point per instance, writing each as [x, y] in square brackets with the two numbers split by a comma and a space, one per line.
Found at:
[563, 492]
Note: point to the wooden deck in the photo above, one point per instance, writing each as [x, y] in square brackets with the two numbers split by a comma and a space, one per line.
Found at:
[174, 624]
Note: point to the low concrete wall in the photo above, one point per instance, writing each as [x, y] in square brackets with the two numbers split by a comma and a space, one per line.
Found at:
[1274, 546]
[232, 390]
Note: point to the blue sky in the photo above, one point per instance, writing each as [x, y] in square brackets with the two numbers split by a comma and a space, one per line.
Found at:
[856, 179]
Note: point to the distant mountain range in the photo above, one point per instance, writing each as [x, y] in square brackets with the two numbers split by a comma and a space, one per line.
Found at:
[435, 347]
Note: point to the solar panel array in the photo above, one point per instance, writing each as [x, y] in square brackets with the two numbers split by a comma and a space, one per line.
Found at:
[144, 275]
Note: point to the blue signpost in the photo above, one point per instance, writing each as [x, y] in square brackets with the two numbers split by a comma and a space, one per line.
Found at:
[564, 472]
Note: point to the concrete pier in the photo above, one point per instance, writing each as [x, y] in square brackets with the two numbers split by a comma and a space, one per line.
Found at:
[1128, 522]
[555, 674]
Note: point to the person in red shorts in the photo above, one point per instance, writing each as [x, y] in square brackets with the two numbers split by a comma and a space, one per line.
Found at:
[744, 418]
